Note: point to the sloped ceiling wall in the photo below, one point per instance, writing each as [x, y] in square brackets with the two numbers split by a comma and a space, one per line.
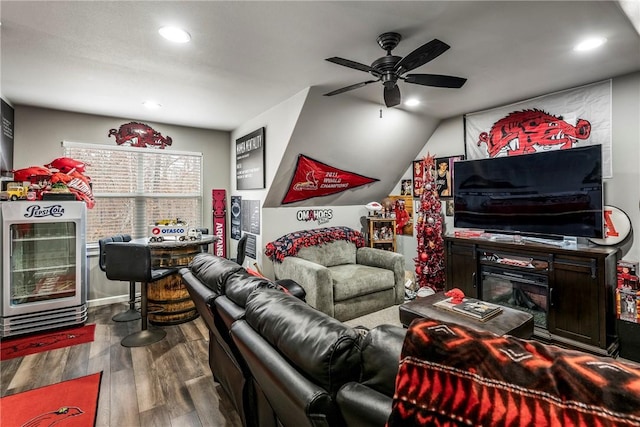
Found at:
[350, 135]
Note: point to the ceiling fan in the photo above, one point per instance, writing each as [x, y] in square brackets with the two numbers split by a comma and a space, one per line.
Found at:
[390, 68]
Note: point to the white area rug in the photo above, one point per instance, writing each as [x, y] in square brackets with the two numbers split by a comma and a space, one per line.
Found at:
[386, 316]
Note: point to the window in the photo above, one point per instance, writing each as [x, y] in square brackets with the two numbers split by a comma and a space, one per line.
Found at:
[134, 187]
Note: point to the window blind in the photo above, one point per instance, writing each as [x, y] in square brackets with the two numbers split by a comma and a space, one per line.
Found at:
[134, 187]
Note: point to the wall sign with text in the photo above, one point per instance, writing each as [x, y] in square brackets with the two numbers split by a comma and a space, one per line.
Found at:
[250, 173]
[6, 139]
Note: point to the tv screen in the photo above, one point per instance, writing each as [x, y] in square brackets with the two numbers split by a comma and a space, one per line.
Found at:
[557, 192]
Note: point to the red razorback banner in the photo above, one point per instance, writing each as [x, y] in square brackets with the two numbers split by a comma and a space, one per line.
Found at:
[314, 179]
[220, 222]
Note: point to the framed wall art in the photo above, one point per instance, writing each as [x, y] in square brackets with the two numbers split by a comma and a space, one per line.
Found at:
[250, 161]
[449, 207]
[406, 187]
[417, 178]
[444, 175]
[402, 211]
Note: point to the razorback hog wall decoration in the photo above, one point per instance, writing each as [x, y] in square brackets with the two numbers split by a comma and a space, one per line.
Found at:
[571, 118]
[138, 134]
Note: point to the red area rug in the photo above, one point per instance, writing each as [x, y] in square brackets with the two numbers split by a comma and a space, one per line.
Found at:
[30, 344]
[68, 403]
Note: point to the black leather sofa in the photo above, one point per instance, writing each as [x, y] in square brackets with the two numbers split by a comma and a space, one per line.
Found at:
[209, 279]
[282, 362]
[367, 401]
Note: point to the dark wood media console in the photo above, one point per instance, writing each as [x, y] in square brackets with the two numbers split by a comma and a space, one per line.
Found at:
[570, 292]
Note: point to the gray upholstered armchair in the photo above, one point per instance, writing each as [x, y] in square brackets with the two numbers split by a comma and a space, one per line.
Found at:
[341, 277]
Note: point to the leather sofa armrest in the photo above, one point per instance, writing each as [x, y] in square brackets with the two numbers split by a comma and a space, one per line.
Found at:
[314, 278]
[388, 260]
[228, 310]
[202, 296]
[362, 406]
[295, 400]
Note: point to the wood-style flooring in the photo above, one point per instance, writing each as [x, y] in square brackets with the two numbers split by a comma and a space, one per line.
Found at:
[168, 383]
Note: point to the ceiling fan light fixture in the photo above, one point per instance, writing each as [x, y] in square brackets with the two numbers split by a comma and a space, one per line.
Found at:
[389, 69]
[175, 34]
[590, 44]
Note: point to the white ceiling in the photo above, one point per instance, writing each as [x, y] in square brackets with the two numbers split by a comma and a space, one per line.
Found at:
[106, 58]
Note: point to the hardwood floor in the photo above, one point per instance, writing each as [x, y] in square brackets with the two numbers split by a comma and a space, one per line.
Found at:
[168, 383]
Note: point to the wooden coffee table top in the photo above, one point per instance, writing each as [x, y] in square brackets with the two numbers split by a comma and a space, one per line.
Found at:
[508, 322]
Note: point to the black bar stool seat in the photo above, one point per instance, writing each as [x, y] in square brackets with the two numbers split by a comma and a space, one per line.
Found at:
[132, 261]
[132, 313]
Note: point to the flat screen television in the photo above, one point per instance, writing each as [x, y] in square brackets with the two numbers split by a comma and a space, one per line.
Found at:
[553, 193]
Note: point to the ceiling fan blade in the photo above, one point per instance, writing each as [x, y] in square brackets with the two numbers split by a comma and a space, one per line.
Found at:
[422, 55]
[435, 80]
[350, 64]
[348, 88]
[391, 96]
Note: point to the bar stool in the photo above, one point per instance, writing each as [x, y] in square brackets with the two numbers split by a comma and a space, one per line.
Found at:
[242, 248]
[131, 313]
[132, 261]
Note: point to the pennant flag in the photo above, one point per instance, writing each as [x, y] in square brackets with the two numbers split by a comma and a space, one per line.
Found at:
[314, 179]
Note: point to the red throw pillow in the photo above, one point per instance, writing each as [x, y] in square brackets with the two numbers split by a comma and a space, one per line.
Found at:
[254, 273]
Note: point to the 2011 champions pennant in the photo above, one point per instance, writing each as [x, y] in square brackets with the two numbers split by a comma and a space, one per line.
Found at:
[314, 179]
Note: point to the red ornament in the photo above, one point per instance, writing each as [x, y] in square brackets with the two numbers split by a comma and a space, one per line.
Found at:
[418, 270]
[424, 257]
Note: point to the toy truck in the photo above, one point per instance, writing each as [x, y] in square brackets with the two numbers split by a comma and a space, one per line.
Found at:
[14, 191]
[168, 230]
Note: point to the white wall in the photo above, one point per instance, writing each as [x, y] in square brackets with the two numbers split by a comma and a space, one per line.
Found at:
[37, 141]
[279, 123]
[623, 190]
[349, 135]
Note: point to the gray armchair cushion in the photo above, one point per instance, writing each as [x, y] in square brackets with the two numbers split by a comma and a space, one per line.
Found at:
[354, 280]
[330, 254]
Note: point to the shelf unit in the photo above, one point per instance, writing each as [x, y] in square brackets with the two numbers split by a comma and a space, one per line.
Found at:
[382, 233]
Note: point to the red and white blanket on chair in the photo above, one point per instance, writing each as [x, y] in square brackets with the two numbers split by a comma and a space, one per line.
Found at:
[290, 244]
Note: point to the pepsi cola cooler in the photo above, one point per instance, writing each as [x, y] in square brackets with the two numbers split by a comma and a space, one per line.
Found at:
[43, 268]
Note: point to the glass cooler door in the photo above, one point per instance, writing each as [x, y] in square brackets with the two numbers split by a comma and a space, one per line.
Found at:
[43, 263]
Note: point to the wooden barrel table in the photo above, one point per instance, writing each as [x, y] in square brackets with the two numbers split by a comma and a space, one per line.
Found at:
[168, 298]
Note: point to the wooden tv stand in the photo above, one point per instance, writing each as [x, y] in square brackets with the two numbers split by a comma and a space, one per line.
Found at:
[580, 312]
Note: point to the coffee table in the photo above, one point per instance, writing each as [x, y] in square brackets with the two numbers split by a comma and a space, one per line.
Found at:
[508, 322]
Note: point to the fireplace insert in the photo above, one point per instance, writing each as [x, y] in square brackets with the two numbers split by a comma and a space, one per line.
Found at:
[521, 290]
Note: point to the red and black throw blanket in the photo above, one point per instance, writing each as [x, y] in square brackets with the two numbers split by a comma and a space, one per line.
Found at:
[290, 244]
[452, 376]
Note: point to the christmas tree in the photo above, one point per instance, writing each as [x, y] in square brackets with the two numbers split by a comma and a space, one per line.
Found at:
[430, 259]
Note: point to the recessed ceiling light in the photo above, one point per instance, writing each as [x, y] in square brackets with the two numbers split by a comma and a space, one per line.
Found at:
[175, 34]
[152, 105]
[412, 102]
[589, 44]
